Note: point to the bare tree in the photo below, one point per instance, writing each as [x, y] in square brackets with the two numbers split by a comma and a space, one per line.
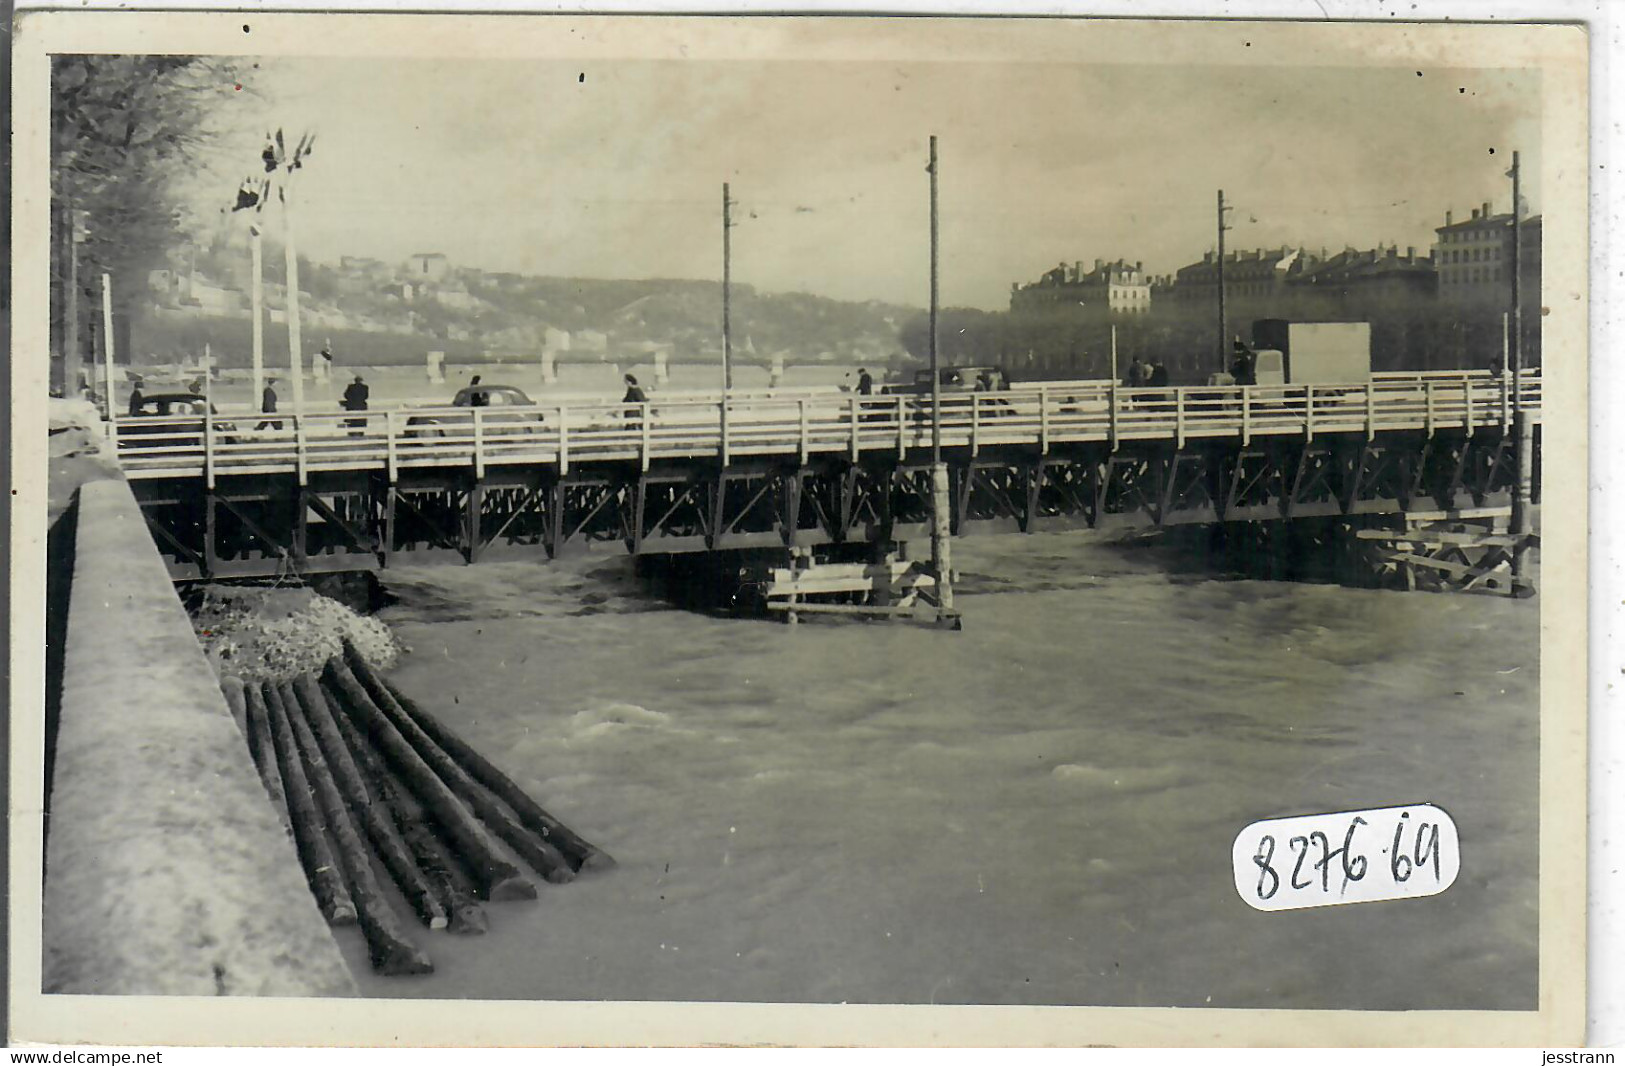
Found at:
[127, 133]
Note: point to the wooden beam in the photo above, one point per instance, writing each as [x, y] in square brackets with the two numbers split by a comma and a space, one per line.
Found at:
[358, 539]
[442, 538]
[169, 538]
[252, 526]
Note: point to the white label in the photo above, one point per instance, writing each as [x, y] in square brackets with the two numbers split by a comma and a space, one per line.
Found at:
[1318, 860]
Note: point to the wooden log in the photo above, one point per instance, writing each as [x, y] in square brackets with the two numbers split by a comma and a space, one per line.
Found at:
[535, 850]
[497, 878]
[232, 688]
[370, 814]
[392, 953]
[581, 854]
[263, 751]
[450, 882]
[321, 868]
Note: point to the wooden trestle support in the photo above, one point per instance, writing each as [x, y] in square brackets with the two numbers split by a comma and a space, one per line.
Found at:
[360, 520]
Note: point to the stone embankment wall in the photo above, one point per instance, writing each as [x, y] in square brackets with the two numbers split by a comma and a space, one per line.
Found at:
[168, 871]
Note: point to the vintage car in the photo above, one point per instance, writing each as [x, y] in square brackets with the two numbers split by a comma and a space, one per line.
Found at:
[508, 409]
[957, 379]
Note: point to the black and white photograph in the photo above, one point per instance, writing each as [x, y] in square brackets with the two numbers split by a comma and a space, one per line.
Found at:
[686, 513]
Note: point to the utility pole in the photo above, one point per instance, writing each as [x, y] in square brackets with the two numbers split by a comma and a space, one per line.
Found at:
[250, 197]
[1523, 486]
[296, 358]
[941, 529]
[727, 283]
[257, 298]
[71, 355]
[107, 341]
[1224, 333]
[276, 156]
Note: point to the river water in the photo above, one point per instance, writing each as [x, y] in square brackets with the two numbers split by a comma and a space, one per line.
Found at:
[1038, 809]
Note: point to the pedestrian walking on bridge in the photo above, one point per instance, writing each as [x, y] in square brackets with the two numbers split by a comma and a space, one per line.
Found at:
[268, 405]
[635, 401]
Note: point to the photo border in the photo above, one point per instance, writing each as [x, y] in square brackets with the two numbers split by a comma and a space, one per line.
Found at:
[1559, 51]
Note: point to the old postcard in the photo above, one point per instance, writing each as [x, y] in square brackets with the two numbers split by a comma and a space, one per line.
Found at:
[798, 530]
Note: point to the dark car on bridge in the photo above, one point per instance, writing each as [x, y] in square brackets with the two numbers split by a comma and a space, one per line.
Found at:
[511, 403]
[176, 421]
[956, 379]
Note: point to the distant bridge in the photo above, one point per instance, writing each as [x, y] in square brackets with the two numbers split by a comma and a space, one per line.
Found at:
[326, 492]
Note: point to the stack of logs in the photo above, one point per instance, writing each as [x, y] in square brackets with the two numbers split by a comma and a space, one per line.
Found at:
[350, 762]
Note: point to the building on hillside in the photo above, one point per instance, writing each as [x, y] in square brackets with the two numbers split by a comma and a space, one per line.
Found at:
[359, 274]
[363, 265]
[555, 339]
[427, 266]
[1116, 288]
[1474, 257]
[1364, 285]
[458, 298]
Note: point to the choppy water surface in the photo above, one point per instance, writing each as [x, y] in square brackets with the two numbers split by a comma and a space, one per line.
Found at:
[1036, 810]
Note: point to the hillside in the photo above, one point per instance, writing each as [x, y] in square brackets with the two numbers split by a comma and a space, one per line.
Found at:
[472, 315]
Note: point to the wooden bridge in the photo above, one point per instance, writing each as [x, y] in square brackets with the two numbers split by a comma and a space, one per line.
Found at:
[248, 495]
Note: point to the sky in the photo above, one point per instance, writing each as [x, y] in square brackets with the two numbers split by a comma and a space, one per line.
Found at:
[614, 169]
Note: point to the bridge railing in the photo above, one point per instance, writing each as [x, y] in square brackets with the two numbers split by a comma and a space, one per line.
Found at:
[1040, 415]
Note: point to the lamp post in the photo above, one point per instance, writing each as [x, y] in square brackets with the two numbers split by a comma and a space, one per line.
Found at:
[1523, 483]
[275, 156]
[941, 528]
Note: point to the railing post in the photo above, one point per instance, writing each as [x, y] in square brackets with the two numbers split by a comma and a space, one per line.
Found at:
[1246, 416]
[902, 428]
[975, 423]
[723, 411]
[299, 446]
[643, 439]
[853, 412]
[1467, 393]
[1308, 412]
[479, 443]
[1043, 420]
[208, 450]
[391, 460]
[112, 433]
[564, 442]
[1506, 405]
[1427, 391]
[801, 405]
[1370, 410]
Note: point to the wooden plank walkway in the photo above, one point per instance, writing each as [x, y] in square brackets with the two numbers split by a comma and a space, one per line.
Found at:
[1030, 417]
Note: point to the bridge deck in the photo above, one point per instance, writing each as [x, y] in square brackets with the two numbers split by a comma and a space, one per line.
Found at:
[1036, 416]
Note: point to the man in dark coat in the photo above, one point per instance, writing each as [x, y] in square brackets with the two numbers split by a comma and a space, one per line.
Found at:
[136, 396]
[866, 383]
[635, 400]
[355, 399]
[268, 405]
[1245, 367]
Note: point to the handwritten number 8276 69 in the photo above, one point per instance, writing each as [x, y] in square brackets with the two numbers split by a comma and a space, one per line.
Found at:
[1409, 854]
